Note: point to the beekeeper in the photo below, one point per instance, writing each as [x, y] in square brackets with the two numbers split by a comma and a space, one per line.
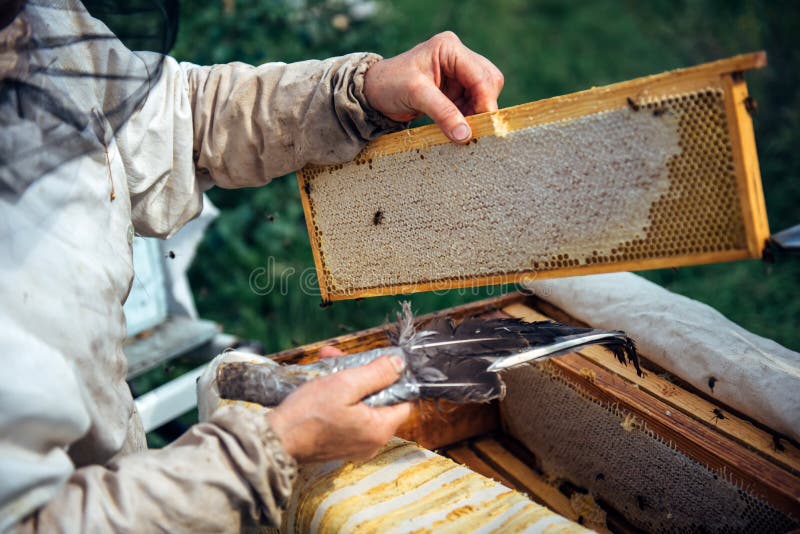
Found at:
[98, 144]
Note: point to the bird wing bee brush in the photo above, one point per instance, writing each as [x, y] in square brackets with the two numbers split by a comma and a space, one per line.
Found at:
[455, 362]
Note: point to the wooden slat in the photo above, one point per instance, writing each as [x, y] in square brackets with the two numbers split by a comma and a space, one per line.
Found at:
[434, 426]
[312, 236]
[745, 159]
[524, 478]
[529, 276]
[679, 399]
[466, 456]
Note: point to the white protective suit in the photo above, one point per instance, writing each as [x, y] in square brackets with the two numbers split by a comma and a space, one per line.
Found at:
[72, 450]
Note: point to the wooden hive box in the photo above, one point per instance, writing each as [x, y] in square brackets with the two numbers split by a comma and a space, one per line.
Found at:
[636, 437]
[653, 172]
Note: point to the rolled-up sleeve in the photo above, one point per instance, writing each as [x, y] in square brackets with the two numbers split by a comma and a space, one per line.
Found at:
[252, 124]
[236, 125]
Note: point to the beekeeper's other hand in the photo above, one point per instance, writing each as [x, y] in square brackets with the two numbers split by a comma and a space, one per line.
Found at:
[441, 78]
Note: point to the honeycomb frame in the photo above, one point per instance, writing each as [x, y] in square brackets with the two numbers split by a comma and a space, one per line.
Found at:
[705, 202]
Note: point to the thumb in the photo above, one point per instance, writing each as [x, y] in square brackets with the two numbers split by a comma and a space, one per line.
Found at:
[432, 102]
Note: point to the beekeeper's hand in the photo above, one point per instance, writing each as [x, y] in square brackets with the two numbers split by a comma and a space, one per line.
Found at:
[441, 78]
[324, 419]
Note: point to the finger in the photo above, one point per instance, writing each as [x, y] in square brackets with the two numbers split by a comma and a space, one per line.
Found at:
[452, 89]
[484, 97]
[481, 79]
[330, 352]
[368, 379]
[431, 101]
[484, 93]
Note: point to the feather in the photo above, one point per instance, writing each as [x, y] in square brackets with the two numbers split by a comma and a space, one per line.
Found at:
[445, 360]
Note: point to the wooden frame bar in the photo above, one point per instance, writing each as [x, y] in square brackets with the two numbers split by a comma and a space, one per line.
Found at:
[745, 158]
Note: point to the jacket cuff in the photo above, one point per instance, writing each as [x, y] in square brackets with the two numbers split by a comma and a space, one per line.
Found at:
[260, 458]
[374, 123]
[282, 478]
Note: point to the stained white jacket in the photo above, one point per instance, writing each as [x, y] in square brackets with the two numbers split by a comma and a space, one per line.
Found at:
[72, 449]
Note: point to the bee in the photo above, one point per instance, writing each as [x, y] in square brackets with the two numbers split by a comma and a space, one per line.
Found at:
[270, 217]
[776, 443]
[600, 476]
[751, 105]
[377, 218]
[712, 381]
[170, 255]
[633, 105]
[718, 415]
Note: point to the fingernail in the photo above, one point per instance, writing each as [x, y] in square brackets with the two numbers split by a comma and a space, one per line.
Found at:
[398, 362]
[460, 132]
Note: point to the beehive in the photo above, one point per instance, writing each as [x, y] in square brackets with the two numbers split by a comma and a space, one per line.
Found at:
[588, 438]
[654, 172]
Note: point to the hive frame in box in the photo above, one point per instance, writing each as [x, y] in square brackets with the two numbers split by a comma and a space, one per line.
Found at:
[647, 93]
[737, 449]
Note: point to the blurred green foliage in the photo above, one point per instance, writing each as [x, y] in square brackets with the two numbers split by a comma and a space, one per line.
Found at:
[545, 48]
